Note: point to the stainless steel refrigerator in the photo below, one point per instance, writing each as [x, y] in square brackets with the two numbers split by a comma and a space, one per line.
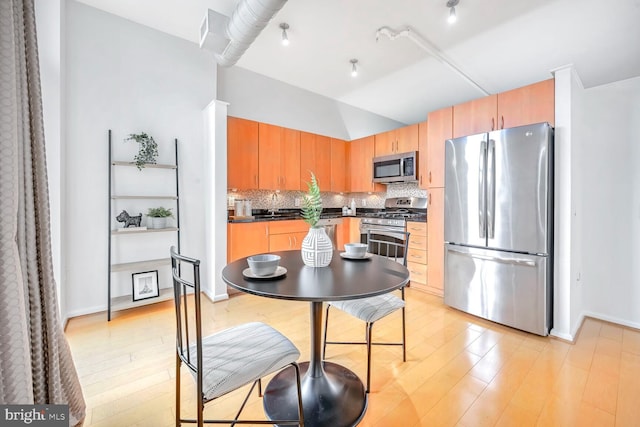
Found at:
[498, 227]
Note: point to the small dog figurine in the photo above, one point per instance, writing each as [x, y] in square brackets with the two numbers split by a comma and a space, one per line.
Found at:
[129, 221]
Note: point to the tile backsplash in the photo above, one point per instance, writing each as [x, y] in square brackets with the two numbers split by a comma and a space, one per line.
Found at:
[263, 199]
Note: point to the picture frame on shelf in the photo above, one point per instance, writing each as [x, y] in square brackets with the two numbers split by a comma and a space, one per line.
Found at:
[145, 285]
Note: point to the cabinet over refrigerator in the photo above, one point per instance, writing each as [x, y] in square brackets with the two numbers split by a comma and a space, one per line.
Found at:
[499, 226]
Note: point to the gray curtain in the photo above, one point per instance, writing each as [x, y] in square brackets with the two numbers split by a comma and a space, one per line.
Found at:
[35, 359]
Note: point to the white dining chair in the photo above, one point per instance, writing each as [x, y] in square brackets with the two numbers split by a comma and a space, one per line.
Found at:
[226, 360]
[372, 309]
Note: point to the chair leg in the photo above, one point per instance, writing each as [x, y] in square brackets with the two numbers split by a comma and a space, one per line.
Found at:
[299, 388]
[326, 326]
[404, 338]
[177, 390]
[369, 327]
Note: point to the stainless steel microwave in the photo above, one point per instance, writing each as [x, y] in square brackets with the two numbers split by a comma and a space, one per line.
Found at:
[402, 167]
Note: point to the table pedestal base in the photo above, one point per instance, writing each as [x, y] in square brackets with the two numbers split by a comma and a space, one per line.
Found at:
[335, 398]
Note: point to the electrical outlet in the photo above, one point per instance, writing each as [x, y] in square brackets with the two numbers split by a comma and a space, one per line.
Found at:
[297, 202]
[364, 203]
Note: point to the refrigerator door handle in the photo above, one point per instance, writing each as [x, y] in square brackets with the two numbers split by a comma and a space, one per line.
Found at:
[482, 195]
[516, 261]
[491, 188]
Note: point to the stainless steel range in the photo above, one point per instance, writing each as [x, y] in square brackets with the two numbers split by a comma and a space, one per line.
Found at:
[393, 218]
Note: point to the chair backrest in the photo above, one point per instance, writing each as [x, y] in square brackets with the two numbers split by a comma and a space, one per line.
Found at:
[393, 245]
[186, 283]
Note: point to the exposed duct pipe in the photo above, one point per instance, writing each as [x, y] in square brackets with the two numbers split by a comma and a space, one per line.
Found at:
[429, 48]
[245, 24]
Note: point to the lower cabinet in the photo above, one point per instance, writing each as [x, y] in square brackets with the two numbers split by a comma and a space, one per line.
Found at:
[287, 235]
[435, 241]
[246, 238]
[417, 254]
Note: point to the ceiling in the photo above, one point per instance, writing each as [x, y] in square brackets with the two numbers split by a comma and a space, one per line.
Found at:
[498, 44]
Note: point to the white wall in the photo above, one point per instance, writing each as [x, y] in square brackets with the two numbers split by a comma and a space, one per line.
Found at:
[611, 195]
[128, 78]
[256, 97]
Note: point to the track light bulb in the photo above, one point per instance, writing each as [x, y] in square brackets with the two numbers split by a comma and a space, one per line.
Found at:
[285, 38]
[354, 69]
[452, 15]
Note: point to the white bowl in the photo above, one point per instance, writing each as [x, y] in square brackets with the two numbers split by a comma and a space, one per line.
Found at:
[263, 265]
[356, 250]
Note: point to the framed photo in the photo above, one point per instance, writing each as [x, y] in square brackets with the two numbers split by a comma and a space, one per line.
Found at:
[145, 285]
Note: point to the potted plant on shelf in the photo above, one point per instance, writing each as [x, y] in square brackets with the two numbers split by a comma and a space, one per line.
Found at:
[158, 217]
[147, 149]
[317, 249]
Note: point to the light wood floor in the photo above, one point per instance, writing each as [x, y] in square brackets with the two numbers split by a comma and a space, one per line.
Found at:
[460, 370]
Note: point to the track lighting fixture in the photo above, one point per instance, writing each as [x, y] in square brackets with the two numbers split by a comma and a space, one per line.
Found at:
[451, 4]
[354, 69]
[285, 38]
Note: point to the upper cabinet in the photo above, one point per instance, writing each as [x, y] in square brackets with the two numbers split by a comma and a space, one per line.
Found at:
[290, 159]
[439, 129]
[338, 165]
[269, 153]
[534, 103]
[399, 140]
[315, 156]
[242, 149]
[423, 169]
[361, 166]
[526, 105]
[279, 158]
[475, 116]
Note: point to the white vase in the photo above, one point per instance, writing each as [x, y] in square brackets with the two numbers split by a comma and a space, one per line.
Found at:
[156, 222]
[317, 249]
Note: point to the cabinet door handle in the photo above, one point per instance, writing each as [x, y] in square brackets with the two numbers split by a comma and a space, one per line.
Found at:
[502, 125]
[420, 179]
[429, 177]
[290, 243]
[295, 240]
[492, 124]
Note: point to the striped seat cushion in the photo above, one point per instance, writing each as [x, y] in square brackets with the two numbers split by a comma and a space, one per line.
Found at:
[240, 355]
[370, 309]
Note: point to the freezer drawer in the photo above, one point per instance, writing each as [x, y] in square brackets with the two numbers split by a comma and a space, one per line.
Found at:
[512, 289]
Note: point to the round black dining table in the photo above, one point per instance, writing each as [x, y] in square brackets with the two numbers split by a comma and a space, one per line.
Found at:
[332, 395]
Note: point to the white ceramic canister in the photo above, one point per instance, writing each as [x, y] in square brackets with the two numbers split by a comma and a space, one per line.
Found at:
[239, 209]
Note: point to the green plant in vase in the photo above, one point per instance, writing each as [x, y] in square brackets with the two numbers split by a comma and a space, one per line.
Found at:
[312, 203]
[317, 248]
[159, 216]
[147, 149]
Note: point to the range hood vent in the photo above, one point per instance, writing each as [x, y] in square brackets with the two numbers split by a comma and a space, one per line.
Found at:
[229, 37]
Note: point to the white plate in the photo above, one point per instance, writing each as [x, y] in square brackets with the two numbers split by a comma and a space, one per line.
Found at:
[347, 256]
[280, 271]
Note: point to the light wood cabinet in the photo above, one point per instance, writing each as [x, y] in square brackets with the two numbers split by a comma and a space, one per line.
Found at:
[244, 239]
[476, 116]
[423, 169]
[242, 149]
[530, 104]
[395, 141]
[417, 254]
[338, 165]
[278, 158]
[439, 129]
[435, 241]
[534, 103]
[315, 156]
[269, 153]
[290, 159]
[361, 166]
[354, 230]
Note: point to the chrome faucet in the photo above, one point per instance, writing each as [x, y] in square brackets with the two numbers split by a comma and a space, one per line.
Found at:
[274, 199]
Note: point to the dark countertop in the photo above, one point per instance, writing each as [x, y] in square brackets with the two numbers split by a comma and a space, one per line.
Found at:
[292, 214]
